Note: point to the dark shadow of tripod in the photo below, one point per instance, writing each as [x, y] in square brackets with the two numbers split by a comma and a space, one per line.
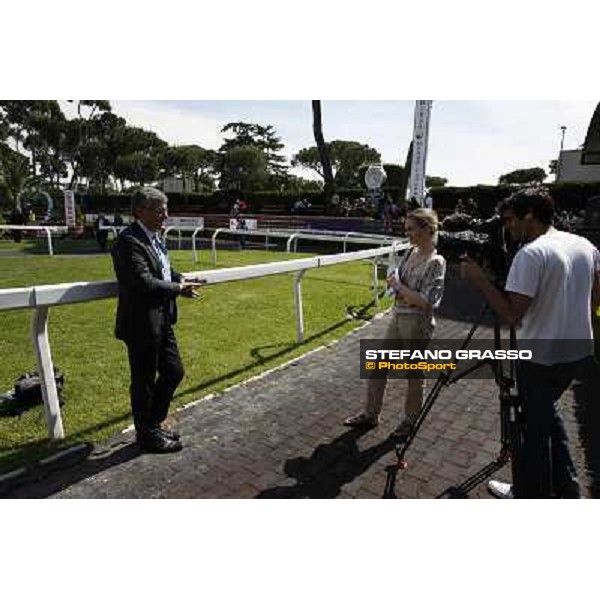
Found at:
[329, 468]
[511, 417]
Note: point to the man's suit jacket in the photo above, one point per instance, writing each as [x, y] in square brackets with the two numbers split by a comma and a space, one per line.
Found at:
[146, 301]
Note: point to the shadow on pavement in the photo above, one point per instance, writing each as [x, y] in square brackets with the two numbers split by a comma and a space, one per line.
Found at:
[77, 463]
[329, 468]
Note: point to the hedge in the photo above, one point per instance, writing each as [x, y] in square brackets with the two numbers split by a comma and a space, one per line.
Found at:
[568, 196]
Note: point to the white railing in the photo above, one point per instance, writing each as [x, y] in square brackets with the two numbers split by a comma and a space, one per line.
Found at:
[293, 236]
[41, 297]
[116, 229]
[195, 231]
[47, 229]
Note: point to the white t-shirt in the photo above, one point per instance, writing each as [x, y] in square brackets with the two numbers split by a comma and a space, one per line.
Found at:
[556, 270]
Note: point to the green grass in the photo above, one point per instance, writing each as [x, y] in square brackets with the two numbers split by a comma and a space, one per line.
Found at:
[235, 331]
[39, 245]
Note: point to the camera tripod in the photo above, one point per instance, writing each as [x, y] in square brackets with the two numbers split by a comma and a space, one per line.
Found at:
[511, 418]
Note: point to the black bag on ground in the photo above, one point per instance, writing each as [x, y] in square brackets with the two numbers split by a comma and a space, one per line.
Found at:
[28, 388]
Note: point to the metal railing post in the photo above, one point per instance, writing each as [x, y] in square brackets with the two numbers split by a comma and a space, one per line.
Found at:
[214, 244]
[375, 283]
[39, 333]
[346, 240]
[298, 305]
[289, 242]
[166, 235]
[49, 238]
[196, 231]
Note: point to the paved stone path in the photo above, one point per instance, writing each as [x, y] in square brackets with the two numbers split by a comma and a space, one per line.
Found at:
[281, 436]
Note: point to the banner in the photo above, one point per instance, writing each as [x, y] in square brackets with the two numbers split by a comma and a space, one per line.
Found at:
[186, 223]
[243, 224]
[419, 157]
[70, 208]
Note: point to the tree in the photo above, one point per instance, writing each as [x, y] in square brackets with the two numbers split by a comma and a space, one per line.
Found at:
[243, 168]
[553, 167]
[293, 183]
[35, 126]
[523, 176]
[15, 176]
[93, 106]
[85, 146]
[347, 158]
[263, 139]
[138, 167]
[323, 151]
[127, 153]
[431, 181]
[406, 173]
[194, 163]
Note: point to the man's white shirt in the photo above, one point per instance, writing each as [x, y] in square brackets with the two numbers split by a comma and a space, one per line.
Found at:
[557, 271]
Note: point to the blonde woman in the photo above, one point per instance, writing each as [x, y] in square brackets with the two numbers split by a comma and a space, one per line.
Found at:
[418, 285]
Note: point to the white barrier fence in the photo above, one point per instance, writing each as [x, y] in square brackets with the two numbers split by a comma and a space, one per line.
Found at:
[40, 298]
[178, 224]
[293, 237]
[47, 229]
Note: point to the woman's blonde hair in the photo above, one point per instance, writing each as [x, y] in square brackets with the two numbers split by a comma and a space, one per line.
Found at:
[427, 219]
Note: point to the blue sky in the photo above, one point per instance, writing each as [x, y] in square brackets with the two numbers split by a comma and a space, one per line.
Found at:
[470, 141]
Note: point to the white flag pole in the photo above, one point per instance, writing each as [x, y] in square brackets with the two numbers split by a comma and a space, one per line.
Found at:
[419, 156]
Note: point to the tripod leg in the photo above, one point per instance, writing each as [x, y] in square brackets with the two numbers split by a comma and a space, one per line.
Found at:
[462, 489]
[427, 406]
[516, 432]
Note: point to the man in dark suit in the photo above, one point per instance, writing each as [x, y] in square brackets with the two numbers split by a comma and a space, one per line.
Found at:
[146, 313]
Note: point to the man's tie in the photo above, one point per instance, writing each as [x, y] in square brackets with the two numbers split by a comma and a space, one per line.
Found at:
[161, 251]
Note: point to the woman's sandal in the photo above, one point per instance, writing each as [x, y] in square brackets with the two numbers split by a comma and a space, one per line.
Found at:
[361, 420]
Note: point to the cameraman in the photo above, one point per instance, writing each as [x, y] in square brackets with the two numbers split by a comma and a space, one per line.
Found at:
[552, 288]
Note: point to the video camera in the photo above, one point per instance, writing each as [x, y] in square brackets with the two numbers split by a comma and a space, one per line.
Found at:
[486, 241]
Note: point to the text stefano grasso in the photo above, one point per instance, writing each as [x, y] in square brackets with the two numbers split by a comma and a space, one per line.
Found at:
[448, 354]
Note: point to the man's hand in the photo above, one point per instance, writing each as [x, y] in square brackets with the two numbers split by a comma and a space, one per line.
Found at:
[471, 271]
[191, 288]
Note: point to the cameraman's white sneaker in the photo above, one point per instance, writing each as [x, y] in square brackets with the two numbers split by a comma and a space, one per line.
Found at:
[501, 490]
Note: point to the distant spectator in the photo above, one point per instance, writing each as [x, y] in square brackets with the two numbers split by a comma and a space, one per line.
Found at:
[460, 207]
[242, 226]
[471, 208]
[16, 218]
[413, 204]
[302, 205]
[387, 218]
[235, 209]
[118, 219]
[26, 213]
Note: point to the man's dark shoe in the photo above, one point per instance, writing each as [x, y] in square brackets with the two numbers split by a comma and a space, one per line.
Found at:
[170, 434]
[157, 443]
